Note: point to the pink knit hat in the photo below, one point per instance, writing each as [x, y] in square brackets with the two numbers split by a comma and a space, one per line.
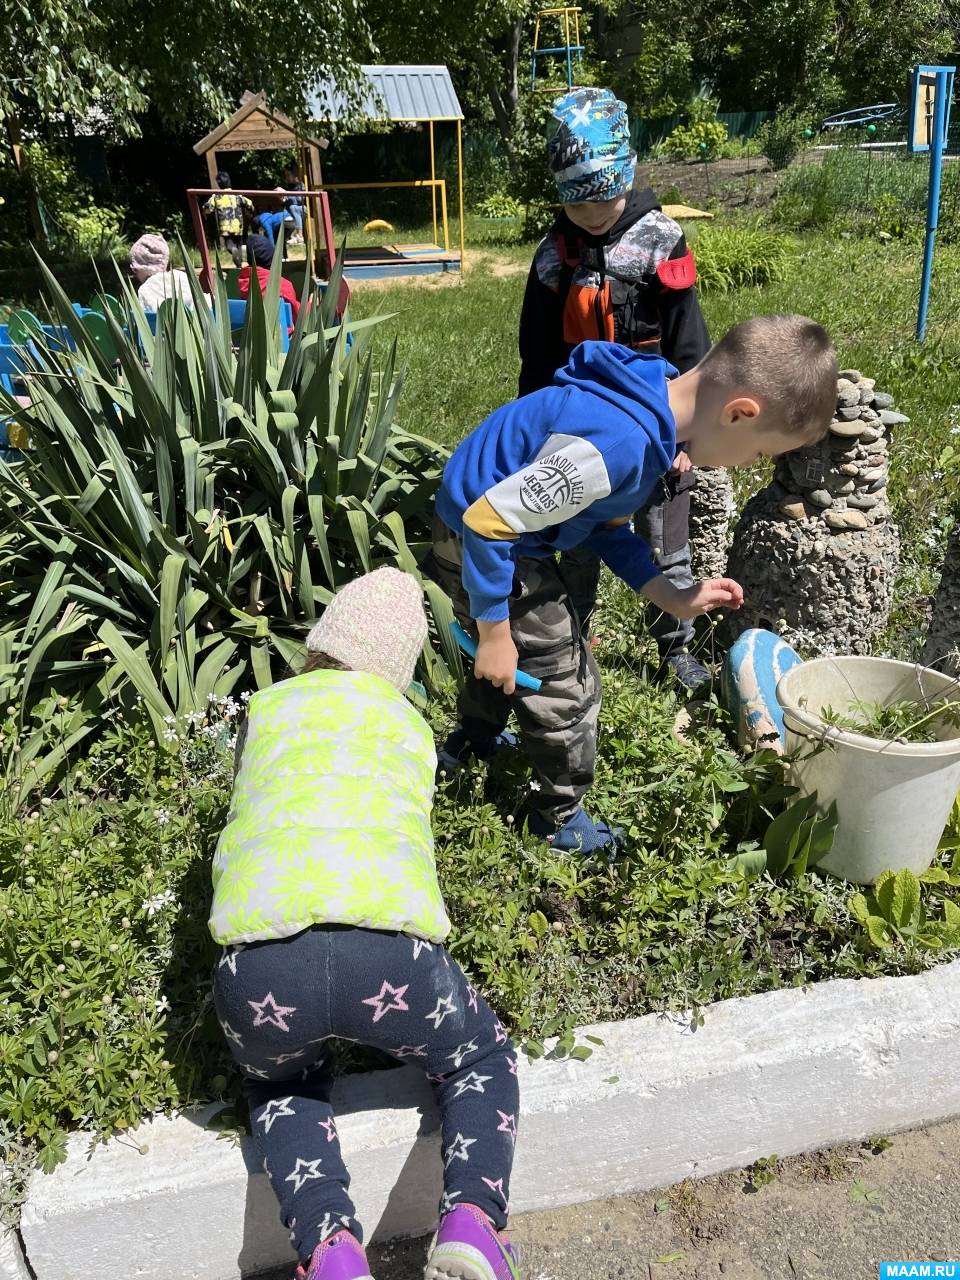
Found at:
[150, 254]
[376, 623]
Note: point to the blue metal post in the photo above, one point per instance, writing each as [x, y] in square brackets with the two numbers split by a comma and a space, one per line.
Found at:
[941, 108]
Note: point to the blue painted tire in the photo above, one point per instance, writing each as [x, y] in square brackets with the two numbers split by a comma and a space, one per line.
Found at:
[750, 675]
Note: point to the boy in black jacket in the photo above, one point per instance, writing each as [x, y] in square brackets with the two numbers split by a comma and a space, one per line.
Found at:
[615, 267]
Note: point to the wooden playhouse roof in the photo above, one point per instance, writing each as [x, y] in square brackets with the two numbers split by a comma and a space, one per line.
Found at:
[255, 127]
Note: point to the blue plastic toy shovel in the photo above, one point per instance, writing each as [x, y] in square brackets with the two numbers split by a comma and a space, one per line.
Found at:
[469, 647]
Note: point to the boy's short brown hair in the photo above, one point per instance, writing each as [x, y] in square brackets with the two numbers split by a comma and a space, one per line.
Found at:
[788, 361]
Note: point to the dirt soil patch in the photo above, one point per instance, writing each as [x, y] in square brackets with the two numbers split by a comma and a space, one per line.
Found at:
[814, 1217]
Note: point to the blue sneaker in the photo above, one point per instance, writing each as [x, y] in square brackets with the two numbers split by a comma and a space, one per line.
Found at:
[579, 834]
[459, 748]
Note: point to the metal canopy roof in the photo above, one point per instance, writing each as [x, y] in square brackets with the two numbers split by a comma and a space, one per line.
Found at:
[391, 93]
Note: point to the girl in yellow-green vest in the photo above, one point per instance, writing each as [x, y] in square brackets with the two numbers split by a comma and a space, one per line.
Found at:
[327, 904]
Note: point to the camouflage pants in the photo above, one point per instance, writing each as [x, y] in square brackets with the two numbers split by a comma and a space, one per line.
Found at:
[664, 524]
[558, 723]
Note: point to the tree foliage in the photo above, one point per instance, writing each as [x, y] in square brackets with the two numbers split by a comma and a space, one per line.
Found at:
[68, 58]
[486, 44]
[807, 54]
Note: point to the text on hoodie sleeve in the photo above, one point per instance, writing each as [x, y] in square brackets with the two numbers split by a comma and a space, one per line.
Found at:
[567, 475]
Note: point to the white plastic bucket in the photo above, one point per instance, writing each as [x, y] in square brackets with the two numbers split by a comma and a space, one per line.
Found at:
[893, 799]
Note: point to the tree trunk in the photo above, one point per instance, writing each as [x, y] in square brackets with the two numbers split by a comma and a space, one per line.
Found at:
[23, 167]
[501, 79]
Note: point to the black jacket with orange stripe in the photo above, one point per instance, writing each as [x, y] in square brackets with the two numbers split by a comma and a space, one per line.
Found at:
[634, 285]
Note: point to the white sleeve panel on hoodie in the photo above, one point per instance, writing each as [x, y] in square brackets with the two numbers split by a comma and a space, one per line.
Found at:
[567, 475]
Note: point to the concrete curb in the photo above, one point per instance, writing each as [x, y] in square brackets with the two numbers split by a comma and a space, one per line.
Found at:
[12, 1265]
[783, 1072]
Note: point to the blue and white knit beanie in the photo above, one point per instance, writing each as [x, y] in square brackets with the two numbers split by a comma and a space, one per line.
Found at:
[588, 146]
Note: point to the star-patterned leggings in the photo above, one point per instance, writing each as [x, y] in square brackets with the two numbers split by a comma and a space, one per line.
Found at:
[279, 1003]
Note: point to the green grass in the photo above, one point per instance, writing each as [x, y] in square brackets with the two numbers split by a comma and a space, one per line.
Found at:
[458, 341]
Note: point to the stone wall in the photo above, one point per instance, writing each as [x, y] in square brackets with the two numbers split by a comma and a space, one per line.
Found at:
[712, 510]
[816, 550]
[942, 648]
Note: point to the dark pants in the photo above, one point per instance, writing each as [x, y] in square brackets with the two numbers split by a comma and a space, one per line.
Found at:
[664, 524]
[234, 246]
[280, 1003]
[558, 723]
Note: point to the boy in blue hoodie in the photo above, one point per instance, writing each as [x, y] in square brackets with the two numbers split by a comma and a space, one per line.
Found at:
[566, 467]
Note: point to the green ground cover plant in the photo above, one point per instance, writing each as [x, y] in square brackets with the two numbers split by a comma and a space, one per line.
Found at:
[742, 256]
[105, 958]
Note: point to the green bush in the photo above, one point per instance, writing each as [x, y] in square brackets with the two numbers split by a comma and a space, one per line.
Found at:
[94, 232]
[740, 149]
[701, 140]
[737, 257]
[783, 137]
[174, 529]
[500, 205]
[530, 176]
[77, 224]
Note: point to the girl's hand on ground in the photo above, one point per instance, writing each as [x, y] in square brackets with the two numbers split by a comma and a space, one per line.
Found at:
[497, 656]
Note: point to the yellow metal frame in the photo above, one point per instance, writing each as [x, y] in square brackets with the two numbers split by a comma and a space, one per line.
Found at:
[463, 252]
[565, 13]
[433, 178]
[433, 183]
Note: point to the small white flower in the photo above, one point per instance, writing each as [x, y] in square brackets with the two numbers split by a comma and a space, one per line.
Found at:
[152, 906]
[162, 816]
[534, 786]
[162, 1005]
[170, 735]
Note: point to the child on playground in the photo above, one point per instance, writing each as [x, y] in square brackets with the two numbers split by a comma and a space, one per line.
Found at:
[262, 251]
[327, 904]
[150, 267]
[614, 266]
[232, 212]
[566, 467]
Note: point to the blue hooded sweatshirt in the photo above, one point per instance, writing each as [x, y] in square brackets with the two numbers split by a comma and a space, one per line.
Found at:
[563, 467]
